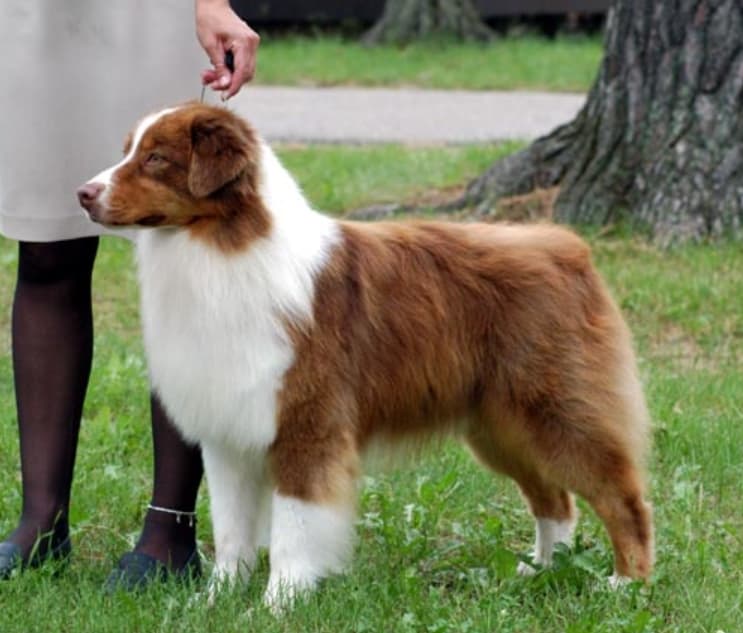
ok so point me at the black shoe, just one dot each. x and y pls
(11, 557)
(135, 571)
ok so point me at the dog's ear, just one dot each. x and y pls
(221, 148)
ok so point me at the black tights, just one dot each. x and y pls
(52, 350)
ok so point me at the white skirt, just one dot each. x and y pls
(77, 75)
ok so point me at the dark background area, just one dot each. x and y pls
(547, 16)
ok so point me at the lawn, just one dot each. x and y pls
(566, 63)
(438, 540)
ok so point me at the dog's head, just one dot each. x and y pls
(193, 166)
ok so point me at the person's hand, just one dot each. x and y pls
(219, 30)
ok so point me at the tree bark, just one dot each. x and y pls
(659, 138)
(404, 21)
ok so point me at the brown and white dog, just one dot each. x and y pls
(285, 342)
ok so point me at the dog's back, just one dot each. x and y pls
(430, 323)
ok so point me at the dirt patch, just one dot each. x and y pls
(532, 207)
(536, 205)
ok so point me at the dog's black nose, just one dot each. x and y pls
(89, 192)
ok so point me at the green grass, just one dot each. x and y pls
(438, 541)
(339, 178)
(566, 63)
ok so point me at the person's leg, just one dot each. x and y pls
(52, 351)
(52, 333)
(167, 543)
(171, 538)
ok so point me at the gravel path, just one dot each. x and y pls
(383, 115)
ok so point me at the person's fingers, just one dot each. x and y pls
(222, 76)
(208, 76)
(244, 69)
(211, 78)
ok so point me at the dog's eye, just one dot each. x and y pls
(153, 159)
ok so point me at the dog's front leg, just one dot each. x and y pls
(312, 509)
(237, 488)
(308, 541)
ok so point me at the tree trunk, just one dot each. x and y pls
(659, 138)
(404, 21)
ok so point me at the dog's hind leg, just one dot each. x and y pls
(237, 483)
(552, 506)
(617, 498)
(555, 518)
(594, 456)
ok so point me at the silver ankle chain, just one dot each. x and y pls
(178, 514)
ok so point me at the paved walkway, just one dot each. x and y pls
(379, 115)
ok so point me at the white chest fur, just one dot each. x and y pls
(213, 323)
(215, 345)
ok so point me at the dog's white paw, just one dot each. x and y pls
(525, 569)
(616, 581)
(280, 596)
(217, 581)
(282, 592)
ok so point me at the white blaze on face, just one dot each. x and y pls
(106, 176)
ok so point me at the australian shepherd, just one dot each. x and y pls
(286, 342)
